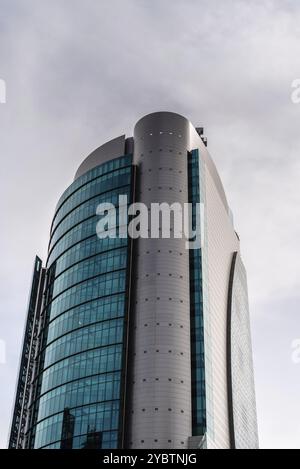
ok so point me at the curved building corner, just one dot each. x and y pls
(139, 343)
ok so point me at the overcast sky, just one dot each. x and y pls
(81, 72)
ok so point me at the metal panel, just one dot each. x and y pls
(112, 149)
(160, 410)
(241, 394)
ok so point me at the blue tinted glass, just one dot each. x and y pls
(197, 332)
(79, 387)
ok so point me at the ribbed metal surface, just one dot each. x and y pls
(244, 434)
(160, 411)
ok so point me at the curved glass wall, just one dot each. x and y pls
(79, 388)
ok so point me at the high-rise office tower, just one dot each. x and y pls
(139, 342)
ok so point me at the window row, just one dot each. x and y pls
(99, 310)
(97, 335)
(102, 184)
(197, 331)
(105, 440)
(86, 210)
(92, 289)
(83, 420)
(104, 168)
(86, 391)
(102, 360)
(97, 265)
(87, 248)
(77, 234)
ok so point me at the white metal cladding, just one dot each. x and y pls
(159, 383)
(106, 152)
(243, 395)
(160, 411)
(221, 243)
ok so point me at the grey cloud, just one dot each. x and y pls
(80, 73)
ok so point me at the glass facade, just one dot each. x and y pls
(196, 304)
(79, 388)
(183, 377)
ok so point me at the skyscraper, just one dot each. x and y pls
(139, 342)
